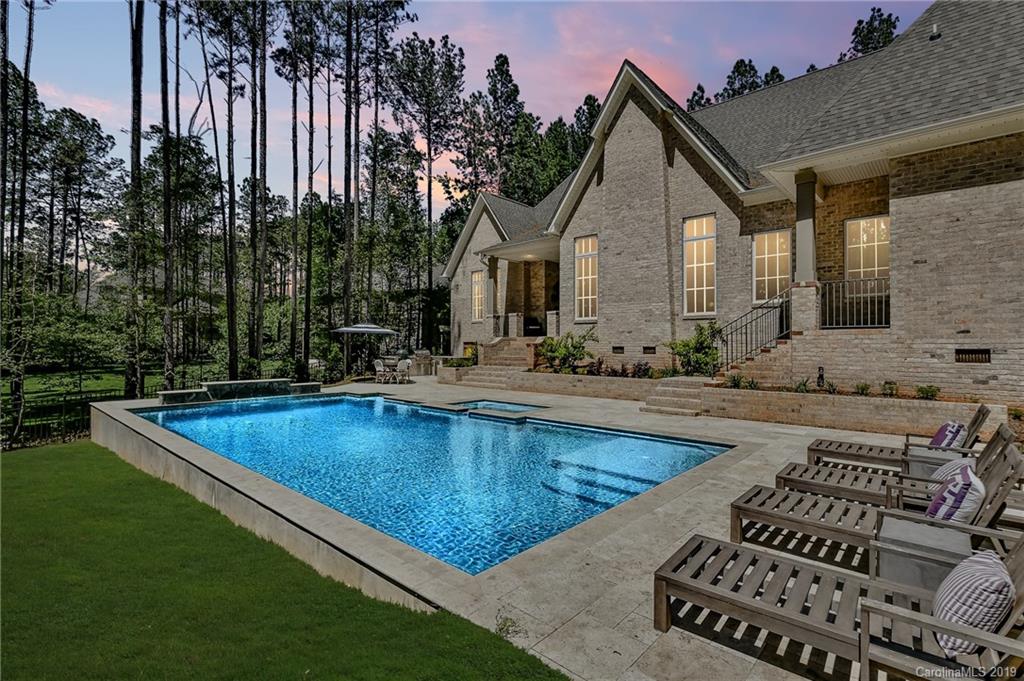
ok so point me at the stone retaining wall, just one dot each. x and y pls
(850, 412)
(612, 387)
(451, 375)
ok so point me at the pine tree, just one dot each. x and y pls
(871, 34)
(698, 99)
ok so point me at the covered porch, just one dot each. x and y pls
(522, 287)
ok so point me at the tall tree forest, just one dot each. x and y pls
(173, 261)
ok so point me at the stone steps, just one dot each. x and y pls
(685, 403)
(483, 384)
(669, 411)
(677, 396)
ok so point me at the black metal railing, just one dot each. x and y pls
(762, 327)
(854, 303)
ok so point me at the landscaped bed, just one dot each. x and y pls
(110, 573)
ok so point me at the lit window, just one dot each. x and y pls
(586, 277)
(771, 264)
(699, 265)
(867, 248)
(477, 294)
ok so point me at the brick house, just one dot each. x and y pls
(872, 213)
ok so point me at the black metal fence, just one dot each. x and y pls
(744, 336)
(855, 303)
(51, 418)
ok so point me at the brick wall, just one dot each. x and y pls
(464, 329)
(859, 199)
(992, 161)
(871, 414)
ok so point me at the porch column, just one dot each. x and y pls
(804, 291)
(497, 320)
(806, 182)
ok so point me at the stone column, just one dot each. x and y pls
(515, 324)
(804, 307)
(552, 323)
(806, 184)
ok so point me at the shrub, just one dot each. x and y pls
(890, 388)
(1016, 413)
(667, 373)
(596, 368)
(642, 370)
(459, 362)
(751, 384)
(862, 388)
(565, 352)
(831, 388)
(927, 392)
(697, 354)
(803, 386)
(734, 381)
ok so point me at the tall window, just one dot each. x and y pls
(867, 248)
(772, 258)
(699, 265)
(477, 294)
(586, 277)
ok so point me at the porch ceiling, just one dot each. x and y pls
(540, 248)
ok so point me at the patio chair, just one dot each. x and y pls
(380, 372)
(402, 370)
(827, 452)
(840, 531)
(881, 625)
(869, 484)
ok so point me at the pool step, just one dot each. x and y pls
(579, 497)
(633, 479)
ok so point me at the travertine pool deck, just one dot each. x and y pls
(582, 600)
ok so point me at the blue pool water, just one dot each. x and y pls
(495, 405)
(469, 491)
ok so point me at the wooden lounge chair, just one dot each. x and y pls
(869, 484)
(766, 514)
(824, 451)
(867, 620)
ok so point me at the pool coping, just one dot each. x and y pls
(344, 548)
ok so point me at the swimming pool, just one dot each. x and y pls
(471, 492)
(495, 405)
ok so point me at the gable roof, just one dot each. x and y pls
(516, 221)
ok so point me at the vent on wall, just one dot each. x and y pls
(618, 350)
(650, 350)
(976, 356)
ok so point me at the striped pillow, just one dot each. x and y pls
(951, 468)
(950, 434)
(977, 593)
(959, 498)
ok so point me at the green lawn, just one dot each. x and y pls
(110, 573)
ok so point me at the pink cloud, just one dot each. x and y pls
(101, 109)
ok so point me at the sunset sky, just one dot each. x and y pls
(559, 52)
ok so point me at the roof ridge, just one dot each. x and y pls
(505, 198)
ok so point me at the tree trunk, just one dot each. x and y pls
(293, 330)
(428, 308)
(4, 111)
(263, 182)
(350, 101)
(253, 183)
(62, 256)
(50, 230)
(168, 225)
(308, 302)
(230, 256)
(133, 379)
(329, 250)
(374, 150)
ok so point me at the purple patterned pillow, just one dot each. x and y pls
(950, 434)
(959, 498)
(978, 593)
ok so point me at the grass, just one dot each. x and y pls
(110, 573)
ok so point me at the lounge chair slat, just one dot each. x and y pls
(797, 595)
(902, 632)
(700, 559)
(753, 581)
(718, 564)
(736, 570)
(823, 598)
(778, 582)
(847, 609)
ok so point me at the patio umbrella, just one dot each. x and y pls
(364, 329)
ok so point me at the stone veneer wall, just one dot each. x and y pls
(464, 328)
(991, 161)
(843, 202)
(871, 414)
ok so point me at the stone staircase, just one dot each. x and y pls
(489, 376)
(678, 396)
(771, 366)
(509, 352)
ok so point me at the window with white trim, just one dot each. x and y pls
(772, 261)
(586, 277)
(476, 280)
(867, 248)
(699, 265)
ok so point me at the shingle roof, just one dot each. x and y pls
(758, 126)
(521, 222)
